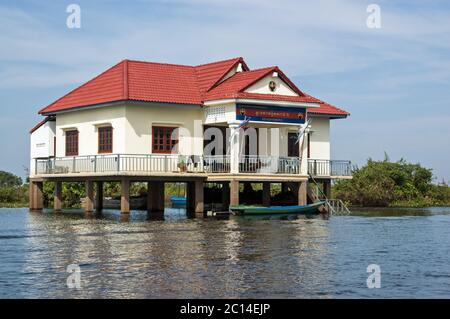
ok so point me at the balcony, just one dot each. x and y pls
(328, 168)
(221, 164)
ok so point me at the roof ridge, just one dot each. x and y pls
(220, 61)
(162, 63)
(82, 85)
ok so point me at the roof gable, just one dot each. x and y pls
(209, 75)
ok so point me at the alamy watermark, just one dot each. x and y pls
(374, 19)
(374, 279)
(74, 279)
(74, 19)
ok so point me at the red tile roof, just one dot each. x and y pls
(173, 83)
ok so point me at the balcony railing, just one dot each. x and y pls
(327, 168)
(269, 165)
(154, 163)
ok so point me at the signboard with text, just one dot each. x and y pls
(276, 114)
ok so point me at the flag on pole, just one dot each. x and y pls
(302, 130)
(244, 123)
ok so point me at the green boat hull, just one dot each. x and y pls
(277, 210)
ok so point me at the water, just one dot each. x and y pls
(237, 258)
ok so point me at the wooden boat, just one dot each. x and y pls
(178, 201)
(277, 210)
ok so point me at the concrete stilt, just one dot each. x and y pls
(155, 199)
(327, 188)
(302, 193)
(125, 197)
(99, 197)
(225, 195)
(190, 204)
(266, 194)
(57, 201)
(234, 192)
(89, 201)
(199, 199)
(36, 196)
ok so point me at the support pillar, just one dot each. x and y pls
(155, 197)
(99, 197)
(234, 193)
(266, 194)
(125, 197)
(190, 200)
(36, 196)
(31, 196)
(89, 201)
(199, 199)
(57, 201)
(302, 193)
(327, 188)
(225, 195)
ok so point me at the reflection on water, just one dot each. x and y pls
(134, 257)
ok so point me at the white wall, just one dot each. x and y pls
(42, 140)
(132, 130)
(141, 118)
(87, 123)
(42, 143)
(320, 138)
(262, 87)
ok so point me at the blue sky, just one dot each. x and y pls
(395, 80)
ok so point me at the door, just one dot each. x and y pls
(293, 147)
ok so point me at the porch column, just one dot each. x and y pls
(302, 193)
(57, 201)
(225, 195)
(155, 197)
(89, 201)
(99, 197)
(234, 146)
(234, 192)
(125, 197)
(303, 144)
(266, 194)
(327, 188)
(199, 200)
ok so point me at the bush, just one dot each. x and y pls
(385, 183)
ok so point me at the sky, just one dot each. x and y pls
(394, 80)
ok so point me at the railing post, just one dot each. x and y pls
(74, 164)
(95, 164)
(118, 162)
(35, 166)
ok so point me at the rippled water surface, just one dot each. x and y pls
(236, 258)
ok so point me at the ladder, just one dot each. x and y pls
(337, 207)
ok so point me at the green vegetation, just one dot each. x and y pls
(385, 183)
(13, 193)
(376, 184)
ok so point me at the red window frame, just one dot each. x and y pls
(162, 142)
(105, 139)
(72, 143)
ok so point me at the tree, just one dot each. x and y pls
(9, 180)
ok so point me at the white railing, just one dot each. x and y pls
(326, 168)
(109, 163)
(269, 164)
